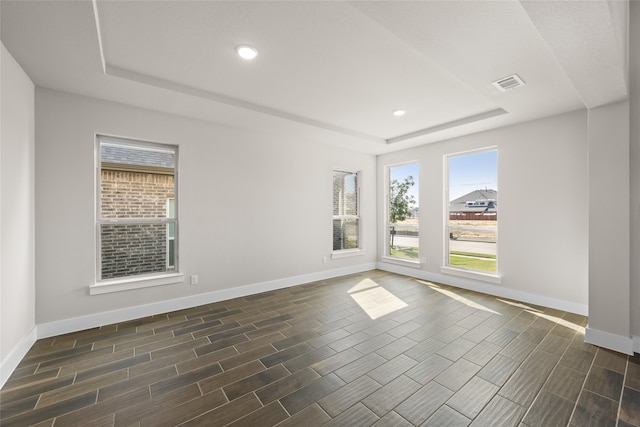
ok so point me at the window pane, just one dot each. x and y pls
(345, 210)
(171, 233)
(135, 182)
(171, 208)
(473, 248)
(345, 193)
(171, 262)
(473, 211)
(403, 208)
(133, 249)
(404, 240)
(345, 234)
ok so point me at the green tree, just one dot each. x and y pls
(400, 202)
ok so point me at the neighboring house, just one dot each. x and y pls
(136, 183)
(476, 205)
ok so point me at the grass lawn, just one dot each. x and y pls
(482, 264)
(470, 260)
(406, 253)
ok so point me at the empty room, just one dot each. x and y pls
(349, 213)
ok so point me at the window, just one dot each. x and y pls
(402, 212)
(137, 223)
(346, 210)
(472, 208)
(171, 234)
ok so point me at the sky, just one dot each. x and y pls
(467, 172)
(401, 172)
(472, 172)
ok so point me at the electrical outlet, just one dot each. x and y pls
(194, 279)
(324, 259)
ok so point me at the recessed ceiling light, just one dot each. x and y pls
(398, 113)
(246, 51)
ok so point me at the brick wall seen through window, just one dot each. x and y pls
(136, 225)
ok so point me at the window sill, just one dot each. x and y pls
(404, 262)
(126, 284)
(471, 274)
(346, 253)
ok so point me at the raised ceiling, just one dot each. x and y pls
(330, 71)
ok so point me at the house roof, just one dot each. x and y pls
(113, 153)
(467, 203)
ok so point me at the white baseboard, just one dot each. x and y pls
(12, 360)
(636, 344)
(488, 288)
(75, 324)
(608, 340)
(64, 326)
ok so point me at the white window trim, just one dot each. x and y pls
(345, 253)
(119, 284)
(472, 274)
(457, 271)
(402, 261)
(134, 282)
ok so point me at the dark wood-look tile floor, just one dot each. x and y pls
(369, 349)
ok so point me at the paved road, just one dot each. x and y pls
(454, 245)
(477, 247)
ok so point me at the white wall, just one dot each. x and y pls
(609, 234)
(17, 248)
(543, 220)
(634, 77)
(252, 208)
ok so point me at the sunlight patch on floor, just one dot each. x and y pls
(375, 300)
(559, 321)
(459, 298)
(519, 305)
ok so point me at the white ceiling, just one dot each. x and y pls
(330, 71)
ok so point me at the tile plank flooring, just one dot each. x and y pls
(374, 348)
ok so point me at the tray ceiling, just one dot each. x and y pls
(330, 71)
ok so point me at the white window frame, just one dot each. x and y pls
(343, 253)
(387, 257)
(446, 268)
(102, 286)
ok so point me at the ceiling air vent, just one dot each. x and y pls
(508, 83)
